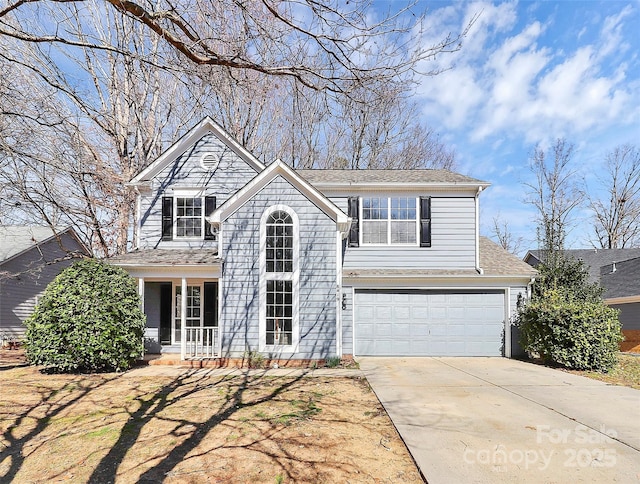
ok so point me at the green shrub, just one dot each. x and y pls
(89, 319)
(577, 333)
(333, 362)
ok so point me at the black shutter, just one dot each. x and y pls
(209, 208)
(165, 313)
(354, 233)
(210, 301)
(425, 221)
(167, 218)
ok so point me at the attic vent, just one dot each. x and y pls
(209, 162)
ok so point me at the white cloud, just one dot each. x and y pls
(510, 81)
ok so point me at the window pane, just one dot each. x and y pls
(374, 232)
(403, 232)
(188, 217)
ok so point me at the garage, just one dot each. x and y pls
(428, 323)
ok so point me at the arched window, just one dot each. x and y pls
(279, 243)
(279, 279)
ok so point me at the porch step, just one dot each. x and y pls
(173, 359)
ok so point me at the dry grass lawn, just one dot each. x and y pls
(195, 427)
(625, 373)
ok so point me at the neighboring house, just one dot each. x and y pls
(30, 258)
(618, 271)
(234, 257)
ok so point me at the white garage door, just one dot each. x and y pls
(428, 323)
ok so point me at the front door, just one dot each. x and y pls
(193, 310)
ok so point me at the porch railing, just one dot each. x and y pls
(202, 342)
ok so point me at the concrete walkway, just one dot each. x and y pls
(495, 420)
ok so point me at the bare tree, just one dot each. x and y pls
(323, 45)
(78, 133)
(555, 193)
(616, 215)
(501, 232)
(88, 105)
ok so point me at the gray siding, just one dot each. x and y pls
(347, 322)
(453, 239)
(240, 280)
(27, 276)
(629, 315)
(186, 172)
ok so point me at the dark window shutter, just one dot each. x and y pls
(209, 208)
(210, 301)
(167, 218)
(354, 233)
(425, 221)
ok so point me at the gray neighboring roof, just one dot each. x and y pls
(494, 261)
(166, 257)
(624, 281)
(15, 239)
(376, 177)
(594, 259)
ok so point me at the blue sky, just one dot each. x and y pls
(530, 72)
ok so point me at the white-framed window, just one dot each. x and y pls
(389, 221)
(184, 215)
(279, 279)
(189, 220)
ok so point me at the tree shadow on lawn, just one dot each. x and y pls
(196, 381)
(51, 403)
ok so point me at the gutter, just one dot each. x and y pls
(478, 268)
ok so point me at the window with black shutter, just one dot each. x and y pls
(425, 221)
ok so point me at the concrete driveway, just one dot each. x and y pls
(499, 420)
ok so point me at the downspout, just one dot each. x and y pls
(138, 220)
(477, 202)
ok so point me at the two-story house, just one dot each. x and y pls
(233, 256)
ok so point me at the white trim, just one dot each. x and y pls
(623, 300)
(435, 186)
(140, 292)
(188, 193)
(191, 137)
(242, 196)
(338, 294)
(289, 276)
(477, 231)
(220, 321)
(507, 322)
(353, 321)
(183, 319)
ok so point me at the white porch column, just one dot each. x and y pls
(141, 294)
(183, 320)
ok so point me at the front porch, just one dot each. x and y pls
(179, 292)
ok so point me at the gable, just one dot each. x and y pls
(186, 145)
(279, 169)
